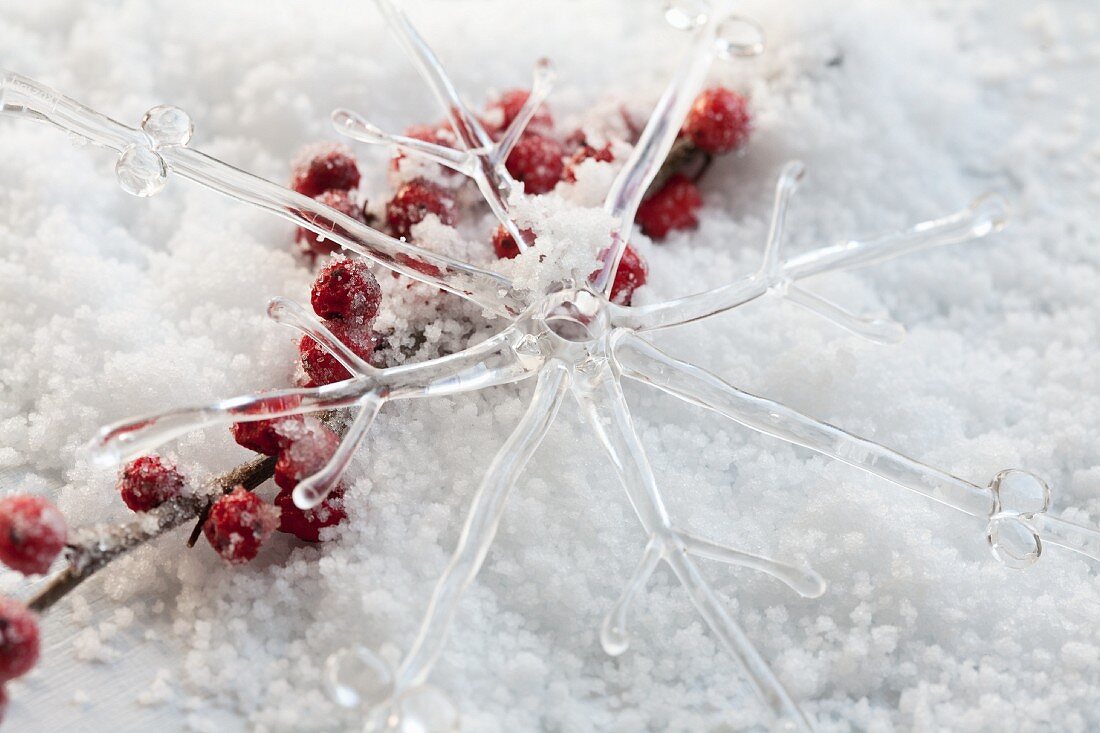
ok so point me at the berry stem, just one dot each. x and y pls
(93, 548)
(684, 157)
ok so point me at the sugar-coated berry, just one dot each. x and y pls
(267, 436)
(718, 121)
(324, 167)
(583, 153)
(504, 244)
(674, 206)
(413, 202)
(346, 289)
(147, 482)
(502, 113)
(19, 645)
(439, 134)
(314, 244)
(630, 276)
(321, 367)
(308, 452)
(32, 533)
(307, 524)
(537, 162)
(238, 525)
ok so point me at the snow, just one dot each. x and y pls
(113, 306)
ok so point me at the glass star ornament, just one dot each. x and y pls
(571, 340)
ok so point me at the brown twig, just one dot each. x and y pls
(683, 157)
(92, 548)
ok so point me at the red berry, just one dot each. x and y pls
(503, 112)
(314, 244)
(719, 121)
(321, 367)
(674, 206)
(504, 244)
(346, 289)
(309, 450)
(148, 482)
(266, 436)
(630, 276)
(307, 525)
(3, 702)
(18, 640)
(439, 134)
(583, 153)
(324, 167)
(238, 524)
(32, 533)
(537, 163)
(413, 202)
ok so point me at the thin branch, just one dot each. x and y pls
(93, 548)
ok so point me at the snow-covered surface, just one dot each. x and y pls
(113, 306)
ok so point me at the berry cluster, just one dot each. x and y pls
(718, 123)
(32, 535)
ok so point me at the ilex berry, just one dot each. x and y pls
(311, 448)
(307, 524)
(32, 533)
(148, 482)
(438, 134)
(320, 367)
(19, 646)
(583, 153)
(267, 436)
(311, 242)
(674, 206)
(345, 290)
(504, 244)
(502, 113)
(537, 162)
(238, 524)
(324, 167)
(630, 276)
(414, 202)
(719, 121)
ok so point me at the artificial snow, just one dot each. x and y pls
(113, 306)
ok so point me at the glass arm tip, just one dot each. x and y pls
(353, 125)
(989, 214)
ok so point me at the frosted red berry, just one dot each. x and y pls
(19, 644)
(630, 276)
(718, 121)
(438, 134)
(307, 524)
(315, 244)
(346, 289)
(306, 454)
(267, 436)
(238, 525)
(674, 206)
(32, 533)
(324, 167)
(413, 202)
(502, 113)
(148, 482)
(320, 367)
(583, 153)
(537, 162)
(504, 244)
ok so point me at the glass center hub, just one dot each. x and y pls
(577, 315)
